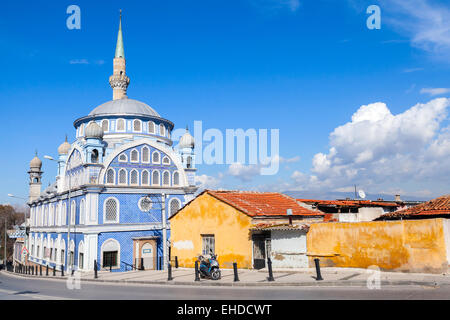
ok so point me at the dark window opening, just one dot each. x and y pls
(109, 259)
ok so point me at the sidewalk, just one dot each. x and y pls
(299, 277)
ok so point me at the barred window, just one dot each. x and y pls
(134, 177)
(137, 125)
(151, 127)
(82, 211)
(110, 176)
(174, 206)
(63, 256)
(208, 243)
(105, 125)
(134, 156)
(166, 160)
(145, 154)
(111, 208)
(166, 178)
(120, 125)
(155, 157)
(162, 130)
(123, 158)
(155, 177)
(122, 176)
(145, 178)
(176, 179)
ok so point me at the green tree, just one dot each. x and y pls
(12, 218)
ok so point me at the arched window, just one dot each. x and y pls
(82, 129)
(145, 155)
(176, 178)
(134, 177)
(123, 158)
(134, 156)
(73, 212)
(110, 254)
(174, 206)
(122, 176)
(51, 216)
(189, 162)
(145, 178)
(64, 214)
(82, 211)
(120, 125)
(111, 210)
(81, 255)
(137, 125)
(105, 125)
(162, 130)
(155, 178)
(46, 216)
(110, 176)
(166, 160)
(155, 157)
(94, 156)
(166, 178)
(151, 127)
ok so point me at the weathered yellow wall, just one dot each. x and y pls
(408, 245)
(207, 215)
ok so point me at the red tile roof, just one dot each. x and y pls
(263, 203)
(350, 203)
(438, 206)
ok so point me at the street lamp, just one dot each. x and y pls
(25, 239)
(68, 222)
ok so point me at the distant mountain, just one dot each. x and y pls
(343, 195)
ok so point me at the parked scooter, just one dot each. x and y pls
(209, 267)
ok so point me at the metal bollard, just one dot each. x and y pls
(236, 276)
(169, 270)
(269, 266)
(161, 263)
(197, 276)
(176, 262)
(110, 267)
(142, 263)
(95, 269)
(54, 270)
(40, 270)
(46, 272)
(62, 270)
(319, 276)
(32, 270)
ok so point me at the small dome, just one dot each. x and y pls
(64, 148)
(93, 131)
(186, 141)
(36, 162)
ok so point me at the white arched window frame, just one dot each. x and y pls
(156, 157)
(73, 212)
(105, 125)
(134, 156)
(120, 125)
(134, 177)
(45, 215)
(64, 214)
(145, 157)
(110, 245)
(176, 178)
(123, 157)
(155, 178)
(174, 206)
(162, 130)
(110, 176)
(122, 180)
(137, 125)
(82, 129)
(166, 178)
(166, 160)
(81, 255)
(82, 211)
(51, 249)
(111, 210)
(145, 178)
(62, 251)
(151, 127)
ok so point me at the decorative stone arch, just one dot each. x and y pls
(110, 245)
(146, 141)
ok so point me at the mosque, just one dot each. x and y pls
(116, 186)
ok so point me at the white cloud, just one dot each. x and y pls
(207, 182)
(79, 61)
(435, 91)
(243, 172)
(277, 5)
(379, 150)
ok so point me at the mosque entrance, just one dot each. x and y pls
(144, 253)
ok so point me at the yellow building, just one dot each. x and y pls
(229, 223)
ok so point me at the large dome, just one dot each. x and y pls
(124, 106)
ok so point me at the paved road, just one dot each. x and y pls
(23, 288)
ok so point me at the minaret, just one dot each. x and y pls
(35, 178)
(119, 81)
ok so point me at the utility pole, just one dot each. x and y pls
(4, 254)
(163, 212)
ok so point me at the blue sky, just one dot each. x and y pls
(304, 67)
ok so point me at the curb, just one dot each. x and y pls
(323, 283)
